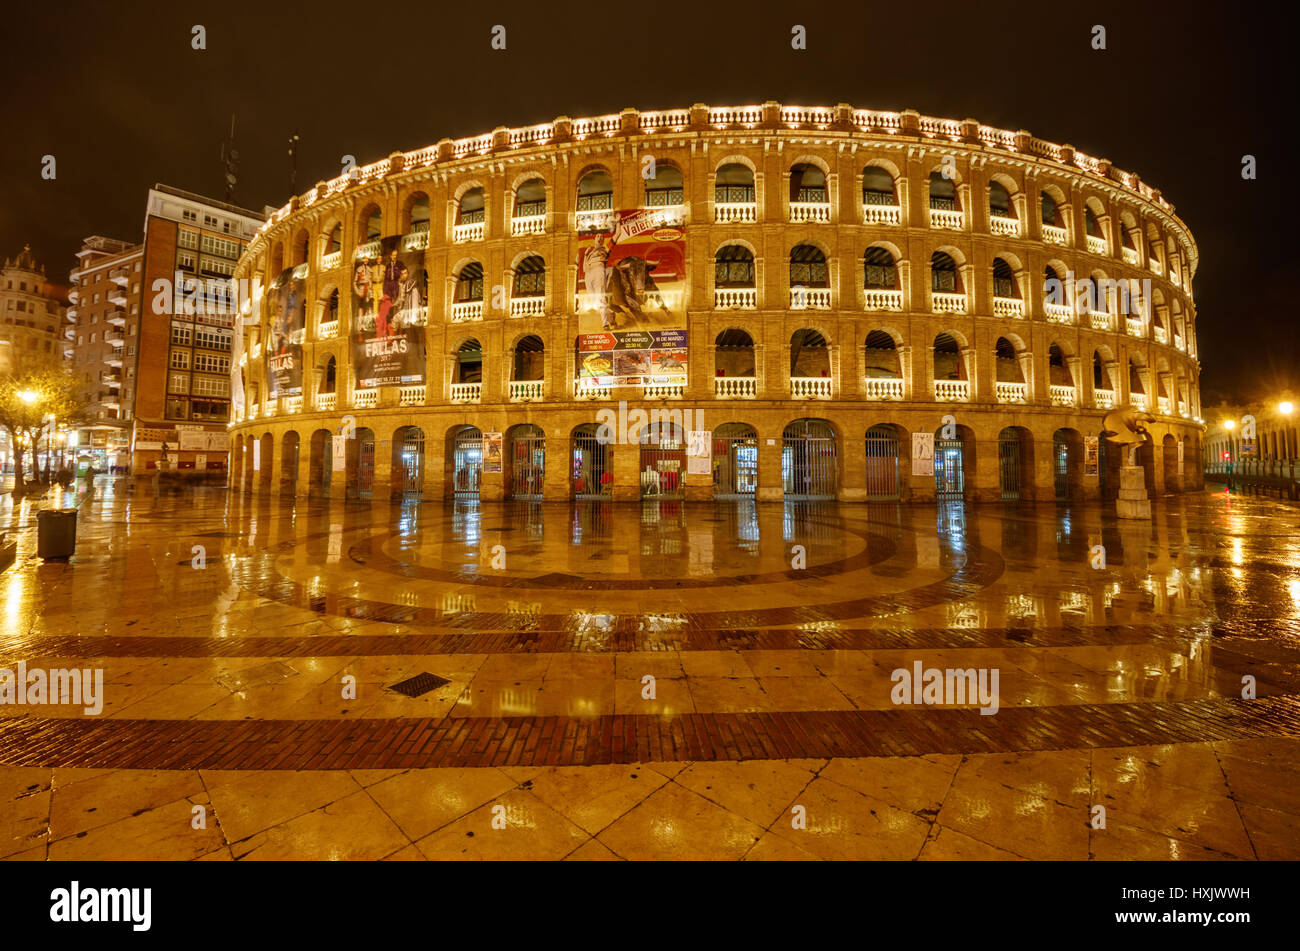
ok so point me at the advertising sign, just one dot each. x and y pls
(491, 452)
(923, 454)
(389, 310)
(1091, 449)
(699, 452)
(631, 301)
(339, 454)
(287, 315)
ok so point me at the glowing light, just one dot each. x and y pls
(1229, 424)
(1285, 407)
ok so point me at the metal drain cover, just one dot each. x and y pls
(419, 684)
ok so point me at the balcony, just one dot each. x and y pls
(586, 390)
(1103, 399)
(1163, 403)
(810, 298)
(663, 391)
(1011, 392)
(325, 401)
(368, 250)
(466, 310)
(1156, 267)
(117, 297)
(882, 215)
(329, 262)
(527, 306)
(410, 396)
(117, 318)
(949, 220)
(810, 211)
(1009, 227)
(119, 277)
(1061, 395)
(952, 391)
(735, 298)
(735, 387)
(1008, 307)
(882, 389)
(471, 231)
(875, 298)
(735, 212)
(595, 219)
(1139, 401)
(1135, 327)
(114, 360)
(1100, 320)
(525, 391)
(527, 224)
(466, 392)
(1054, 235)
(1130, 256)
(416, 240)
(1182, 409)
(1058, 313)
(365, 399)
(945, 303)
(1097, 245)
(326, 330)
(293, 404)
(810, 387)
(1180, 343)
(1161, 334)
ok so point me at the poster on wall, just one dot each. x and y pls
(491, 452)
(338, 453)
(1091, 450)
(287, 317)
(632, 301)
(389, 310)
(699, 452)
(923, 454)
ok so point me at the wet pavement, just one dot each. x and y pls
(664, 680)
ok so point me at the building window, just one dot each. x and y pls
(178, 382)
(211, 340)
(189, 215)
(180, 336)
(211, 363)
(180, 360)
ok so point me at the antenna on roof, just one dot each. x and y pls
(293, 159)
(230, 158)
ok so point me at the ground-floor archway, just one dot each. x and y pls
(1015, 464)
(954, 463)
(361, 464)
(526, 457)
(662, 461)
(591, 463)
(808, 460)
(1169, 460)
(320, 463)
(883, 480)
(735, 461)
(408, 462)
(289, 447)
(1067, 465)
(464, 461)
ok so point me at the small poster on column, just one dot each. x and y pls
(699, 454)
(491, 452)
(1091, 450)
(338, 453)
(923, 454)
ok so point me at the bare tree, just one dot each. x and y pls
(39, 394)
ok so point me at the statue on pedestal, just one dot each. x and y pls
(1128, 427)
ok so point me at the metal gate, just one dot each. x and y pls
(949, 470)
(1108, 459)
(411, 457)
(882, 464)
(735, 466)
(527, 466)
(662, 467)
(592, 471)
(467, 464)
(808, 460)
(1009, 466)
(1061, 468)
(365, 463)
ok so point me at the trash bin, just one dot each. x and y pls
(56, 533)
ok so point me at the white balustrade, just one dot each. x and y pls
(1054, 235)
(1009, 227)
(527, 224)
(740, 212)
(586, 390)
(1130, 256)
(951, 220)
(597, 220)
(945, 303)
(466, 310)
(468, 232)
(810, 387)
(810, 298)
(1100, 320)
(330, 261)
(882, 214)
(416, 240)
(1058, 313)
(1161, 334)
(368, 250)
(326, 401)
(735, 387)
(1103, 399)
(877, 388)
(1136, 327)
(1139, 401)
(952, 391)
(875, 298)
(329, 328)
(466, 392)
(521, 391)
(365, 399)
(1011, 392)
(1061, 395)
(1163, 403)
(411, 396)
(527, 306)
(1008, 307)
(660, 391)
(293, 404)
(1097, 245)
(742, 298)
(805, 211)
(1156, 269)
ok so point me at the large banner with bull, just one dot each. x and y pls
(287, 316)
(631, 301)
(389, 309)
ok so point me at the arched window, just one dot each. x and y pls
(1006, 364)
(1000, 201)
(733, 266)
(733, 354)
(469, 362)
(470, 211)
(530, 199)
(329, 379)
(335, 241)
(943, 193)
(808, 267)
(530, 278)
(734, 185)
(943, 274)
(332, 307)
(374, 224)
(1004, 280)
(664, 190)
(878, 187)
(809, 355)
(529, 362)
(596, 191)
(880, 357)
(1051, 214)
(469, 283)
(948, 363)
(879, 270)
(1058, 371)
(420, 214)
(1090, 222)
(808, 185)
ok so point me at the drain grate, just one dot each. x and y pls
(419, 684)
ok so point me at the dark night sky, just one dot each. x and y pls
(115, 92)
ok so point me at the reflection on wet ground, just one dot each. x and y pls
(657, 680)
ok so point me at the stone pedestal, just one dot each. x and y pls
(1132, 501)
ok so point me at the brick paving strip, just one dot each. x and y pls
(573, 741)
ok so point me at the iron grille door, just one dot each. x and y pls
(366, 467)
(808, 467)
(467, 465)
(1009, 467)
(592, 472)
(528, 465)
(412, 458)
(882, 465)
(735, 460)
(949, 470)
(1061, 469)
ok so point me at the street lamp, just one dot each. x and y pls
(27, 396)
(1229, 424)
(1285, 407)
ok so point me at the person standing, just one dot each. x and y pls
(594, 270)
